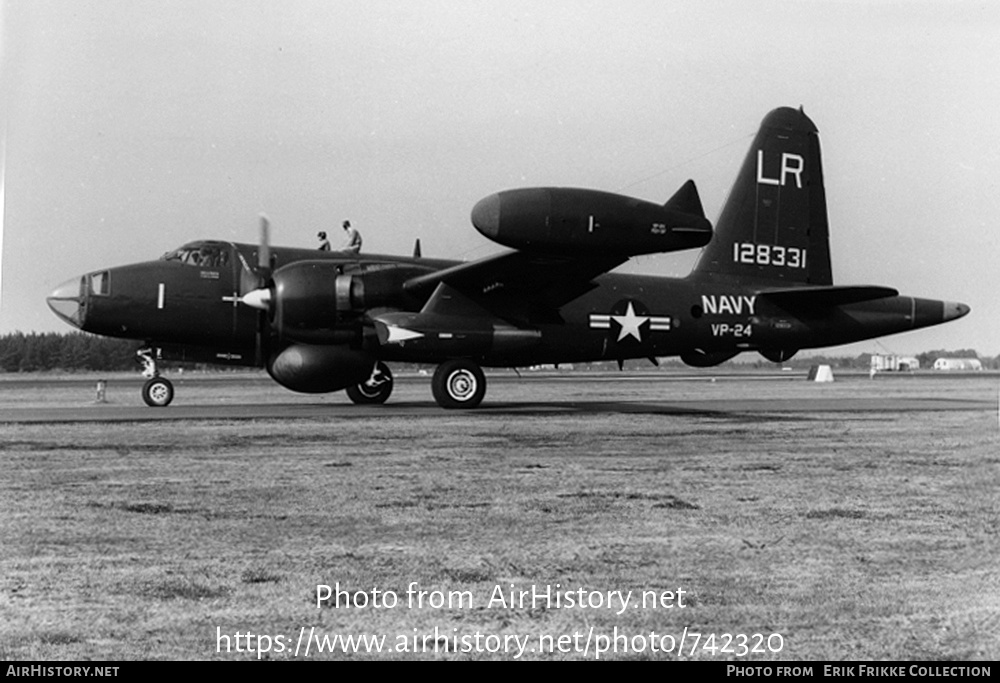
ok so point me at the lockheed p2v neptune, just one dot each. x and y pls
(327, 321)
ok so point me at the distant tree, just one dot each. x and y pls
(28, 361)
(70, 351)
(9, 355)
(35, 352)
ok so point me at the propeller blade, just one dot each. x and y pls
(259, 294)
(264, 253)
(248, 279)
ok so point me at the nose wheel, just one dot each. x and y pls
(157, 392)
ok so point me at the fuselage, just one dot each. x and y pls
(192, 298)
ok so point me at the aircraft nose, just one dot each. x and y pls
(953, 310)
(486, 216)
(67, 301)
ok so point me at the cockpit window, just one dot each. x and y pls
(202, 256)
(100, 283)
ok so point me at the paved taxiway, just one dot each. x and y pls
(256, 398)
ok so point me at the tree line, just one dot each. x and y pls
(38, 352)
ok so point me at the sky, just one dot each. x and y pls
(134, 126)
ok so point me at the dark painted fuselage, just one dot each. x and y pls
(177, 301)
(173, 303)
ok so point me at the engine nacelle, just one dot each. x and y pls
(316, 302)
(701, 359)
(577, 221)
(313, 369)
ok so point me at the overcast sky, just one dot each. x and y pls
(133, 126)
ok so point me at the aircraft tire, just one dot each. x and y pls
(458, 384)
(375, 390)
(158, 392)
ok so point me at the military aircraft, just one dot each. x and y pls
(326, 321)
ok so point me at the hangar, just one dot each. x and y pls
(961, 364)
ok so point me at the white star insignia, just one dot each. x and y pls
(630, 323)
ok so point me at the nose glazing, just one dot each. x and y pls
(67, 300)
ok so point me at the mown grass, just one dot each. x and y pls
(855, 536)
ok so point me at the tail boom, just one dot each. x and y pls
(832, 325)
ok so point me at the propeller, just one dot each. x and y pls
(254, 279)
(254, 289)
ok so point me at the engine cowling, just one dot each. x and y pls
(580, 221)
(316, 302)
(313, 369)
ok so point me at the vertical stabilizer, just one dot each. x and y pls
(773, 228)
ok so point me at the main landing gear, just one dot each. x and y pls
(375, 389)
(458, 383)
(157, 392)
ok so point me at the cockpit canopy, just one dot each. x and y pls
(201, 254)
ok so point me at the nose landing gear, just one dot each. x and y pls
(157, 392)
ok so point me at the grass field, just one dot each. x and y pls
(858, 535)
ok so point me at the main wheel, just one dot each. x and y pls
(158, 392)
(458, 383)
(376, 389)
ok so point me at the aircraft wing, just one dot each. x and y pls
(798, 298)
(518, 286)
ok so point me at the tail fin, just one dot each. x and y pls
(773, 228)
(686, 200)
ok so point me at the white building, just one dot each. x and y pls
(894, 363)
(958, 364)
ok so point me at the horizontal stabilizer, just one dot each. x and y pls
(825, 297)
(686, 200)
